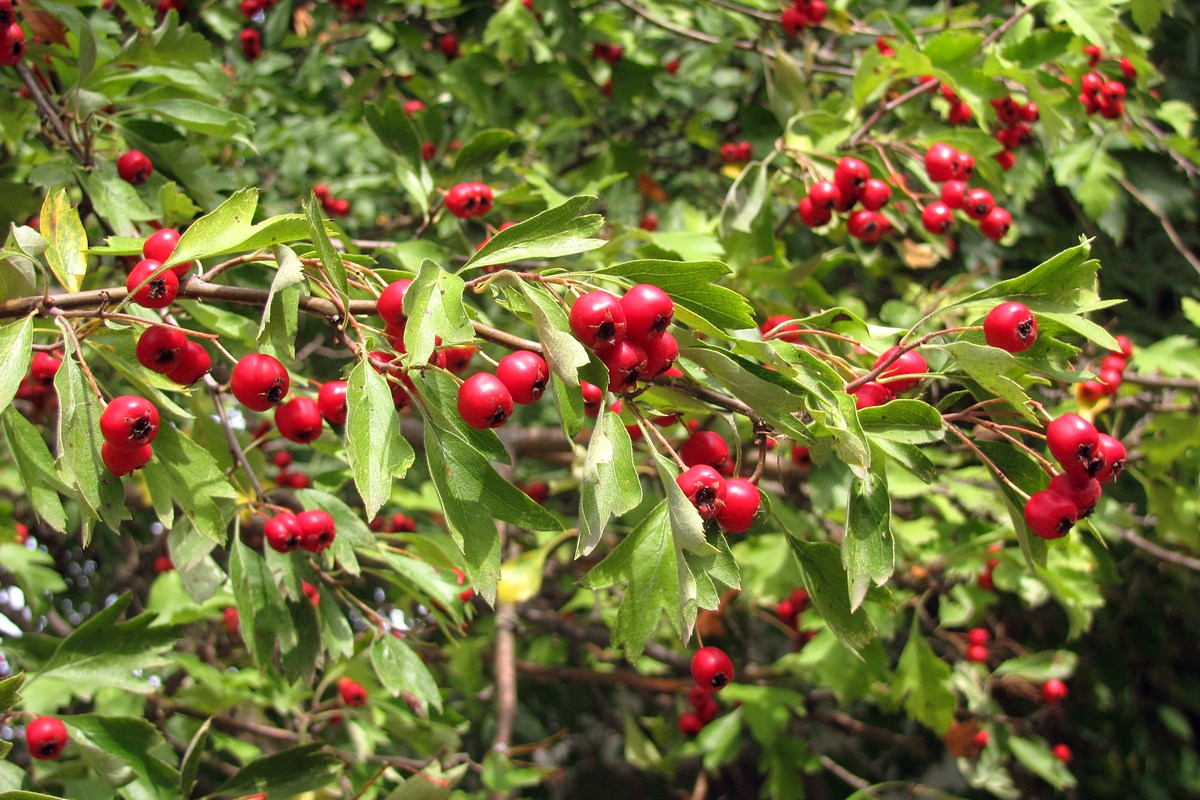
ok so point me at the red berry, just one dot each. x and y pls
(352, 693)
(648, 312)
(283, 533)
(1029, 112)
(466, 200)
(939, 162)
(593, 397)
(598, 320)
(332, 401)
(317, 530)
(1115, 363)
(672, 66)
(231, 621)
(705, 447)
(885, 49)
(851, 176)
(712, 668)
(867, 226)
(1010, 326)
(801, 457)
(705, 488)
(43, 367)
(871, 394)
(260, 381)
(1094, 54)
(134, 167)
(825, 195)
(525, 374)
(250, 7)
(742, 502)
(157, 292)
(1083, 492)
(816, 11)
(1126, 347)
(251, 41)
(909, 363)
(448, 44)
(123, 462)
(1112, 453)
(978, 636)
(1062, 753)
(12, 44)
(1075, 444)
(690, 723)
(160, 245)
(875, 194)
(1111, 379)
(978, 203)
(390, 305)
(811, 215)
(484, 401)
(627, 364)
(937, 218)
(996, 224)
(413, 107)
(282, 459)
(299, 419)
(1091, 83)
(954, 193)
(1127, 69)
(1050, 515)
(7, 15)
(163, 564)
(1113, 91)
(46, 738)
(311, 592)
(648, 222)
(960, 113)
(160, 348)
(194, 364)
(976, 653)
(661, 353)
(793, 20)
(1053, 691)
(1091, 391)
(129, 422)
(961, 166)
(339, 207)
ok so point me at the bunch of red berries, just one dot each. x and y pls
(129, 424)
(803, 14)
(977, 649)
(37, 387)
(1014, 132)
(466, 200)
(1098, 95)
(336, 206)
(959, 113)
(607, 51)
(1110, 375)
(712, 671)
(852, 184)
(628, 333)
(395, 523)
(902, 374)
(953, 169)
(12, 36)
(285, 478)
(737, 152)
(732, 502)
(1088, 458)
(312, 531)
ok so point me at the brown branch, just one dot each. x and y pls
(1004, 26)
(621, 677)
(884, 108)
(226, 724)
(48, 112)
(1167, 226)
(505, 659)
(1162, 383)
(1138, 541)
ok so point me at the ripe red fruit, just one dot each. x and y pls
(825, 195)
(1091, 83)
(649, 223)
(390, 305)
(1126, 347)
(1075, 444)
(811, 215)
(593, 397)
(194, 364)
(867, 226)
(790, 332)
(123, 462)
(1115, 363)
(598, 320)
(46, 738)
(456, 359)
(1113, 91)
(875, 194)
(160, 245)
(851, 176)
(672, 66)
(742, 502)
(712, 668)
(627, 364)
(259, 381)
(157, 292)
(448, 44)
(159, 348)
(978, 636)
(885, 49)
(1053, 691)
(231, 621)
(961, 166)
(251, 41)
(1083, 492)
(705, 488)
(43, 367)
(250, 7)
(339, 207)
(816, 11)
(163, 564)
(7, 14)
(978, 203)
(1050, 515)
(976, 653)
(909, 363)
(129, 422)
(1062, 752)
(1005, 159)
(299, 419)
(939, 162)
(317, 530)
(525, 374)
(1127, 69)
(465, 200)
(1112, 453)
(1111, 379)
(954, 193)
(801, 457)
(661, 353)
(705, 447)
(1091, 391)
(12, 44)
(282, 459)
(484, 401)
(871, 394)
(413, 107)
(996, 224)
(352, 693)
(937, 218)
(648, 312)
(134, 167)
(690, 723)
(1010, 326)
(332, 401)
(960, 113)
(311, 592)
(282, 532)
(1094, 54)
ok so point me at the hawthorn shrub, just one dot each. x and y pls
(649, 398)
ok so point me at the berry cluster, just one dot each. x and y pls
(1014, 131)
(1110, 375)
(37, 388)
(466, 200)
(395, 523)
(12, 36)
(898, 377)
(1106, 97)
(312, 531)
(129, 424)
(291, 480)
(135, 167)
(803, 14)
(852, 184)
(1088, 458)
(336, 206)
(712, 671)
(737, 152)
(732, 502)
(629, 334)
(607, 51)
(977, 649)
(959, 113)
(486, 400)
(952, 169)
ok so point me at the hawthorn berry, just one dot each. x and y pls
(1054, 691)
(339, 207)
(937, 218)
(456, 359)
(525, 374)
(43, 367)
(939, 162)
(1075, 444)
(7, 14)
(484, 401)
(163, 564)
(705, 447)
(123, 462)
(875, 194)
(282, 532)
(1115, 363)
(672, 66)
(801, 457)
(352, 693)
(1062, 752)
(159, 348)
(648, 312)
(134, 167)
(448, 44)
(1091, 391)
(413, 107)
(1126, 347)
(661, 353)
(129, 422)
(1111, 379)
(816, 11)
(311, 592)
(851, 176)
(1010, 326)
(627, 364)
(907, 364)
(811, 215)
(1005, 159)
(1094, 54)
(1112, 453)
(251, 41)
(598, 320)
(961, 166)
(390, 305)
(12, 44)
(260, 381)
(742, 502)
(158, 291)
(46, 737)
(705, 488)
(331, 398)
(194, 364)
(976, 653)
(593, 398)
(867, 226)
(466, 200)
(1083, 492)
(648, 222)
(231, 621)
(978, 203)
(160, 245)
(690, 723)
(793, 21)
(282, 459)
(712, 668)
(978, 636)
(317, 530)
(825, 195)
(1050, 515)
(996, 224)
(870, 394)
(954, 193)
(299, 419)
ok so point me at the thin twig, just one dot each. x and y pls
(48, 111)
(239, 456)
(1137, 540)
(1167, 226)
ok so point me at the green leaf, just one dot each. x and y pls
(560, 231)
(1147, 13)
(698, 300)
(190, 768)
(203, 117)
(1092, 20)
(288, 773)
(483, 149)
(197, 482)
(331, 262)
(129, 739)
(744, 203)
(282, 311)
(1068, 278)
(374, 447)
(907, 421)
(402, 670)
(988, 366)
(1039, 667)
(260, 606)
(608, 483)
(395, 130)
(434, 307)
(16, 341)
(868, 549)
(828, 586)
(227, 229)
(909, 457)
(922, 680)
(66, 240)
(1038, 759)
(564, 355)
(10, 691)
